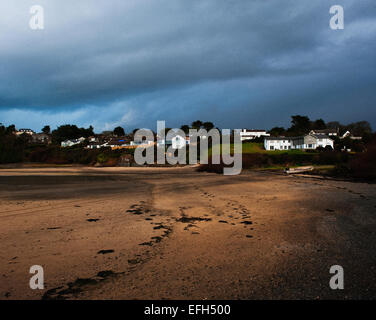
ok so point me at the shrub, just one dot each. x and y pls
(363, 166)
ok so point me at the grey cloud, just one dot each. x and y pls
(116, 55)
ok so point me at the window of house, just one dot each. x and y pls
(271, 147)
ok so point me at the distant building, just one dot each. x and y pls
(107, 133)
(72, 142)
(348, 134)
(27, 131)
(177, 142)
(41, 138)
(325, 132)
(246, 134)
(117, 143)
(94, 145)
(120, 143)
(277, 143)
(142, 143)
(306, 142)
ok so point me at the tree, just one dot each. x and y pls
(11, 129)
(46, 129)
(185, 128)
(208, 125)
(277, 131)
(336, 126)
(197, 124)
(2, 129)
(11, 146)
(119, 131)
(359, 128)
(333, 125)
(68, 131)
(319, 124)
(299, 125)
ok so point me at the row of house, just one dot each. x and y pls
(114, 142)
(251, 134)
(35, 137)
(305, 142)
(72, 142)
(311, 141)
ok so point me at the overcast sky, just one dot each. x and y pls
(239, 64)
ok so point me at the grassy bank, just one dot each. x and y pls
(357, 166)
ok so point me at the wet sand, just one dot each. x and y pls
(173, 233)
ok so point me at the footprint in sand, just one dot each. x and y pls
(105, 251)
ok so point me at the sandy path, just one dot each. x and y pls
(178, 234)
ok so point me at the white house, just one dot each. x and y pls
(176, 142)
(72, 142)
(94, 145)
(277, 143)
(348, 134)
(325, 132)
(246, 134)
(142, 143)
(324, 141)
(41, 138)
(306, 142)
(116, 143)
(27, 131)
(311, 141)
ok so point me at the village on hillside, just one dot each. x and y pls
(314, 136)
(331, 148)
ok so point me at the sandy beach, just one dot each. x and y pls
(174, 233)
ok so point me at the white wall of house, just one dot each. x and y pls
(327, 132)
(94, 146)
(308, 142)
(277, 144)
(144, 142)
(176, 142)
(27, 131)
(324, 141)
(69, 143)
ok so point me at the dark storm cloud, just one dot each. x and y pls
(238, 63)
